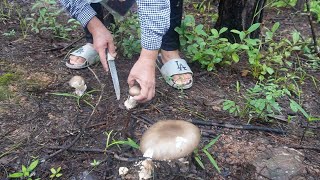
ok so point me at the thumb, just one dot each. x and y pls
(131, 80)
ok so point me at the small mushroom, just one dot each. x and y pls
(78, 83)
(130, 102)
(170, 139)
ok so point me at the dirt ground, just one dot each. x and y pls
(34, 123)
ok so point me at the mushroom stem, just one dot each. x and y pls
(130, 103)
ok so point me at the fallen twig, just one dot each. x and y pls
(97, 150)
(72, 43)
(83, 128)
(232, 126)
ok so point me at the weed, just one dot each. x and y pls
(95, 163)
(208, 155)
(127, 35)
(6, 10)
(26, 172)
(129, 142)
(296, 107)
(55, 173)
(10, 33)
(78, 98)
(45, 18)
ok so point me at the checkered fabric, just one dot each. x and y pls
(154, 17)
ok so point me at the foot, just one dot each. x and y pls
(77, 60)
(180, 79)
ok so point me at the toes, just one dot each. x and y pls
(76, 60)
(182, 79)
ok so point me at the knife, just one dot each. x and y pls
(114, 75)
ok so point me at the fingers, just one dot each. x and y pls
(112, 49)
(103, 59)
(131, 80)
(146, 93)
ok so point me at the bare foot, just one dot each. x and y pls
(181, 79)
(76, 59)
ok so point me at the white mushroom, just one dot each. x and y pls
(130, 102)
(170, 139)
(78, 83)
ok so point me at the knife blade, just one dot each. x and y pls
(114, 74)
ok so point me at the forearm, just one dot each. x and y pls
(154, 16)
(79, 10)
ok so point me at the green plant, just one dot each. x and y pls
(259, 101)
(296, 107)
(127, 35)
(6, 9)
(23, 24)
(45, 18)
(10, 33)
(128, 142)
(95, 163)
(206, 47)
(26, 172)
(208, 155)
(55, 173)
(78, 98)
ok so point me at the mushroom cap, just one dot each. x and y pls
(76, 82)
(134, 90)
(170, 139)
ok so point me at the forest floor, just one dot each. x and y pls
(34, 123)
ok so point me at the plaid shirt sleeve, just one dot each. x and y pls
(79, 10)
(154, 16)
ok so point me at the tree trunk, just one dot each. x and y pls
(300, 5)
(239, 15)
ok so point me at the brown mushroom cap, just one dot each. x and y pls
(134, 90)
(76, 82)
(170, 139)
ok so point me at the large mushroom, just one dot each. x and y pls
(170, 139)
(167, 140)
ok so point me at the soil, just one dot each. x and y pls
(34, 123)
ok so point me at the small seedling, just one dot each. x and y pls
(78, 98)
(26, 172)
(129, 142)
(95, 163)
(209, 156)
(10, 33)
(55, 173)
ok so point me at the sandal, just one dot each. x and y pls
(88, 53)
(174, 67)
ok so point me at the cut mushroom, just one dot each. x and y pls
(170, 139)
(130, 102)
(78, 83)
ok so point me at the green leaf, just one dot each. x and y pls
(253, 27)
(199, 30)
(242, 35)
(52, 175)
(199, 162)
(295, 37)
(53, 171)
(215, 33)
(211, 143)
(275, 26)
(24, 169)
(59, 174)
(59, 169)
(235, 57)
(33, 165)
(222, 30)
(64, 94)
(235, 31)
(16, 175)
(213, 162)
(270, 70)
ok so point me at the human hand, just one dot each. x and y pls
(102, 40)
(143, 72)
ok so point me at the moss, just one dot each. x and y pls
(5, 93)
(5, 79)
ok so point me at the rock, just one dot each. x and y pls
(279, 163)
